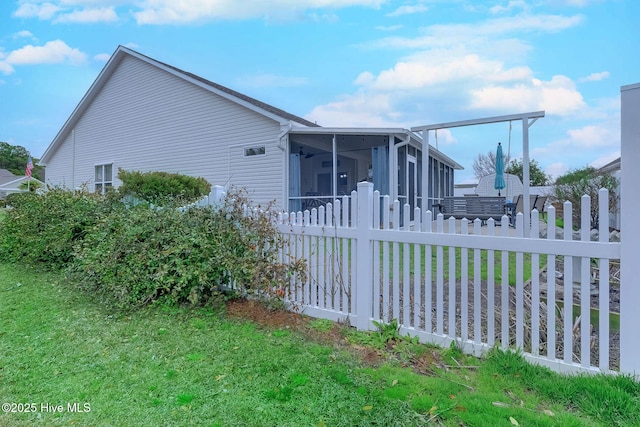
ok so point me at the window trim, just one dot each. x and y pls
(100, 186)
(255, 151)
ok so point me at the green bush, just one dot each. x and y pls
(14, 199)
(137, 256)
(586, 181)
(43, 228)
(163, 188)
(132, 256)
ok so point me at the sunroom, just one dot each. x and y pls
(327, 163)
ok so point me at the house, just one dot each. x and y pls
(10, 183)
(142, 114)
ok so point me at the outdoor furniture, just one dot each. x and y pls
(473, 207)
(539, 205)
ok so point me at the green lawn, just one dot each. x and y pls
(178, 366)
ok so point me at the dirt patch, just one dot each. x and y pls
(268, 318)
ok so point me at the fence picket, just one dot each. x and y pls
(603, 278)
(567, 308)
(464, 285)
(406, 291)
(452, 282)
(535, 287)
(477, 287)
(440, 279)
(585, 285)
(551, 286)
(491, 288)
(427, 226)
(417, 273)
(386, 289)
(395, 314)
(504, 285)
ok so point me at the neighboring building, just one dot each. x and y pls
(10, 183)
(142, 114)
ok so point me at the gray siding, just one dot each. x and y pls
(145, 118)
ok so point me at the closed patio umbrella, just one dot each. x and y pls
(499, 181)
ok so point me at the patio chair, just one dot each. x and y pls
(540, 205)
(519, 206)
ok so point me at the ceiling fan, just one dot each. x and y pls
(306, 156)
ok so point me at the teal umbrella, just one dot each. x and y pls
(499, 184)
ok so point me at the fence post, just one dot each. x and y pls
(630, 227)
(216, 194)
(363, 289)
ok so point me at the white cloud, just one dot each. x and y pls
(409, 10)
(360, 109)
(592, 136)
(514, 4)
(595, 77)
(556, 169)
(88, 16)
(102, 57)
(483, 34)
(36, 10)
(70, 11)
(5, 68)
(52, 52)
(556, 96)
(593, 144)
(23, 34)
(172, 12)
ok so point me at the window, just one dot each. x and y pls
(255, 151)
(104, 177)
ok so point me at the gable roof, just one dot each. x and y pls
(16, 181)
(611, 166)
(253, 104)
(6, 176)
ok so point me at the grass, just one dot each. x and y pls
(178, 366)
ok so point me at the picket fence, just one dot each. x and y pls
(442, 287)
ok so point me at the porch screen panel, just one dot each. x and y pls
(295, 203)
(380, 165)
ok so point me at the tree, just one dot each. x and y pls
(14, 159)
(485, 164)
(537, 177)
(586, 181)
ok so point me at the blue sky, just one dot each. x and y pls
(351, 63)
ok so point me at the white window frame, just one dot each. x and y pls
(255, 151)
(100, 181)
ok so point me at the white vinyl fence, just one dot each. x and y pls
(461, 282)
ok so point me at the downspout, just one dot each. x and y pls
(281, 145)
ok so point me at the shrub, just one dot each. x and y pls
(141, 255)
(586, 181)
(16, 198)
(43, 228)
(163, 188)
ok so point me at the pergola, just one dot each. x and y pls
(528, 119)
